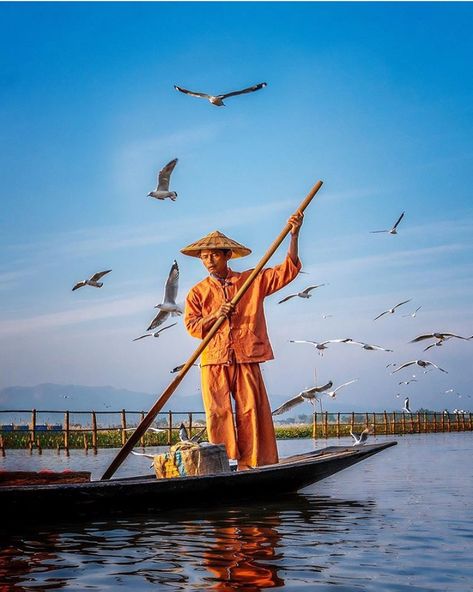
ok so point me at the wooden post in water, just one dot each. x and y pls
(434, 420)
(385, 423)
(190, 425)
(449, 427)
(374, 424)
(443, 422)
(326, 424)
(33, 427)
(170, 429)
(66, 432)
(403, 420)
(338, 425)
(457, 422)
(352, 421)
(469, 422)
(393, 423)
(142, 439)
(2, 446)
(94, 432)
(314, 425)
(123, 414)
(38, 445)
(86, 444)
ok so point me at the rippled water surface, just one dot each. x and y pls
(400, 520)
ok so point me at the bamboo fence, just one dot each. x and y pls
(94, 431)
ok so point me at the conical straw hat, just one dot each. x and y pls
(216, 240)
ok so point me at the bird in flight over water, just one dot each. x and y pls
(92, 281)
(393, 230)
(164, 178)
(360, 438)
(217, 100)
(406, 407)
(309, 395)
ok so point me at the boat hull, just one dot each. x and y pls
(138, 494)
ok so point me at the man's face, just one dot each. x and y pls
(215, 260)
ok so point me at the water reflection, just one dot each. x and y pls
(254, 548)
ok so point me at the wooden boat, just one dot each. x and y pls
(137, 494)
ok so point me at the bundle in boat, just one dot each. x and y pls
(187, 459)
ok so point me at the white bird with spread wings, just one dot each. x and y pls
(309, 395)
(92, 281)
(168, 306)
(319, 345)
(392, 310)
(217, 100)
(421, 363)
(164, 178)
(393, 230)
(304, 294)
(155, 334)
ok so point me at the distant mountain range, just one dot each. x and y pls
(74, 397)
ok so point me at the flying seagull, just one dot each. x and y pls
(436, 344)
(333, 394)
(92, 281)
(217, 100)
(168, 306)
(319, 346)
(393, 229)
(309, 395)
(303, 294)
(421, 363)
(360, 438)
(439, 336)
(367, 346)
(164, 177)
(408, 381)
(391, 310)
(184, 435)
(406, 407)
(155, 334)
(413, 314)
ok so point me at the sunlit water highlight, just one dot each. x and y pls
(401, 520)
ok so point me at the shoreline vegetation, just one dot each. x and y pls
(66, 436)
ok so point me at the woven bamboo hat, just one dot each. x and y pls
(216, 240)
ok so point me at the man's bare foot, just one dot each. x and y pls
(243, 467)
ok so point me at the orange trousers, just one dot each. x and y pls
(249, 438)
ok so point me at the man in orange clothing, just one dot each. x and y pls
(230, 363)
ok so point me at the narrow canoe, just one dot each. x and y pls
(131, 494)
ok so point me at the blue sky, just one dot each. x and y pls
(375, 99)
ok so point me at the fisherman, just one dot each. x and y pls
(230, 365)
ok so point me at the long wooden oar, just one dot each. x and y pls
(156, 408)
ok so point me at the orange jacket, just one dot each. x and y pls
(245, 332)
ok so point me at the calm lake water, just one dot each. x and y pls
(401, 520)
